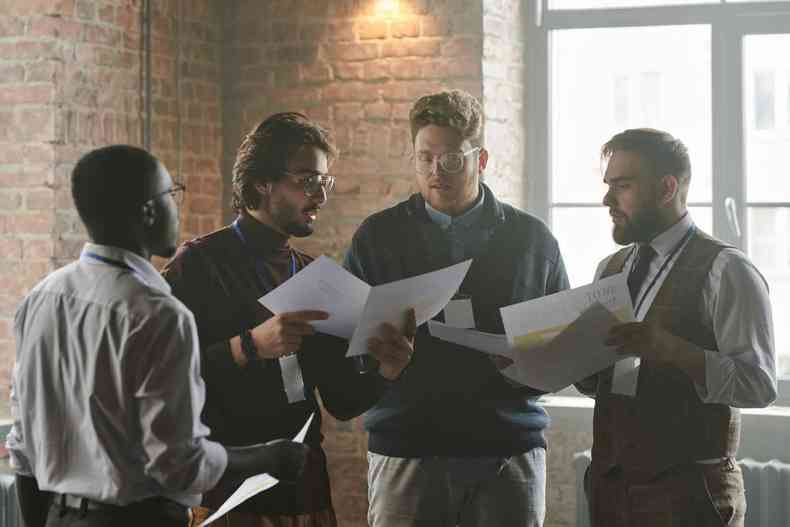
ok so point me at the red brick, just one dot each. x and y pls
(6, 328)
(30, 50)
(27, 94)
(407, 27)
(11, 73)
(353, 52)
(39, 199)
(351, 92)
(44, 71)
(407, 69)
(55, 27)
(373, 29)
(10, 200)
(106, 13)
(10, 248)
(412, 47)
(38, 250)
(37, 7)
(349, 71)
(378, 110)
(107, 36)
(35, 124)
(317, 72)
(348, 112)
(433, 26)
(31, 223)
(377, 70)
(11, 26)
(463, 47)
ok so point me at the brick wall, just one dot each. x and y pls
(358, 72)
(71, 80)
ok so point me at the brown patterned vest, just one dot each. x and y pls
(665, 425)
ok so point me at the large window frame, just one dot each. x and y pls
(729, 23)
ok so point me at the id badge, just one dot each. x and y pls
(459, 313)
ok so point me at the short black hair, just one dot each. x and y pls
(663, 153)
(108, 183)
(265, 151)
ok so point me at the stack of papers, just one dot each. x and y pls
(357, 309)
(555, 340)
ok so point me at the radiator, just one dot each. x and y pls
(767, 488)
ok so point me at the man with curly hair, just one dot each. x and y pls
(452, 441)
(261, 370)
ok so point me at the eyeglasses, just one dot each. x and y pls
(449, 162)
(177, 191)
(314, 184)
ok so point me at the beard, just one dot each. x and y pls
(291, 220)
(642, 226)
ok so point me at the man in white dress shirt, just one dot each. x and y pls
(663, 451)
(107, 392)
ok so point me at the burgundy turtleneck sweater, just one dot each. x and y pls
(215, 276)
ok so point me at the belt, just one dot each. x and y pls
(157, 505)
(78, 502)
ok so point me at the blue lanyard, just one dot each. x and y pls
(664, 266)
(108, 261)
(260, 269)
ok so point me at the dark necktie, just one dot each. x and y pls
(644, 255)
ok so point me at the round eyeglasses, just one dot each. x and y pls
(177, 191)
(314, 184)
(449, 162)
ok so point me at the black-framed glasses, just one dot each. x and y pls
(449, 162)
(314, 184)
(177, 191)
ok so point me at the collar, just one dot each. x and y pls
(138, 264)
(668, 240)
(260, 238)
(467, 219)
(492, 212)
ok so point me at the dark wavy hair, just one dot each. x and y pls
(659, 150)
(456, 109)
(264, 153)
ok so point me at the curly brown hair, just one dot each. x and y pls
(264, 153)
(456, 109)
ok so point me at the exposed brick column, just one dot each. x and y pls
(71, 80)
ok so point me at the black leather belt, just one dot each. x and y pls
(155, 505)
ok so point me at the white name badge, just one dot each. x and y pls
(459, 314)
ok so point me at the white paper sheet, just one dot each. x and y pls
(326, 286)
(490, 343)
(559, 339)
(427, 293)
(254, 484)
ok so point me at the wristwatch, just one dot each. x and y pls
(248, 346)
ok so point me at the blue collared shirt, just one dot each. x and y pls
(465, 233)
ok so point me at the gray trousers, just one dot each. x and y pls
(464, 492)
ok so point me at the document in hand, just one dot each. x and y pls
(558, 339)
(355, 308)
(254, 484)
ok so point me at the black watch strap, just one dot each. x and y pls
(248, 346)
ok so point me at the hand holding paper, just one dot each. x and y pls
(392, 348)
(255, 484)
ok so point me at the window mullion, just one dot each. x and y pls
(727, 122)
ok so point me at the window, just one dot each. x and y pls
(713, 73)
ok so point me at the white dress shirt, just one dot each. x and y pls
(106, 389)
(735, 305)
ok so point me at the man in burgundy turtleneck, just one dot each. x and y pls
(261, 369)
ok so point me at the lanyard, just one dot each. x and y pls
(260, 269)
(108, 261)
(664, 266)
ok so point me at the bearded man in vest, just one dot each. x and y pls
(667, 423)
